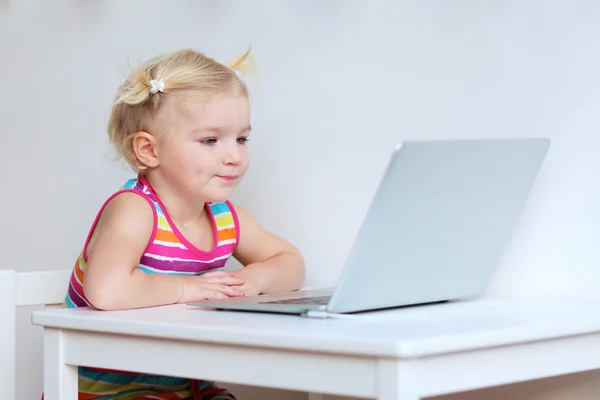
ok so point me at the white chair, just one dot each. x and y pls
(20, 290)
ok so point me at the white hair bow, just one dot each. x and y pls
(157, 86)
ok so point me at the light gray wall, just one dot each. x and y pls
(341, 82)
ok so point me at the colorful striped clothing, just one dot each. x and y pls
(167, 252)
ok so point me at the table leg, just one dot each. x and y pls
(396, 381)
(60, 379)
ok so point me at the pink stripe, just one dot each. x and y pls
(176, 252)
(180, 266)
(76, 285)
(236, 222)
(226, 249)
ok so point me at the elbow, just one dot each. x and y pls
(102, 297)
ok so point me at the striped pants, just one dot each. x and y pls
(119, 385)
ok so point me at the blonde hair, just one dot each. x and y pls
(147, 86)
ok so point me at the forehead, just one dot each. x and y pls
(227, 111)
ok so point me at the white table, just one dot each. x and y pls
(403, 354)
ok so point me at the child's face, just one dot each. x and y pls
(204, 153)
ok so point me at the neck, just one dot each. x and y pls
(182, 209)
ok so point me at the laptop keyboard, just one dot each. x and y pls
(321, 300)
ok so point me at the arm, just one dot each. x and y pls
(112, 280)
(271, 264)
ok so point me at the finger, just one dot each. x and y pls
(215, 295)
(231, 291)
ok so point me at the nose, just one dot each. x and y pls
(232, 155)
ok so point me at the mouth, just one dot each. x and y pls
(227, 178)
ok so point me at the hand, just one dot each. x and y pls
(210, 286)
(251, 286)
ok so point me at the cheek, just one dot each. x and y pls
(245, 157)
(203, 162)
(191, 156)
(177, 155)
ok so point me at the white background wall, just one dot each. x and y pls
(341, 82)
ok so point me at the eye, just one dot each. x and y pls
(243, 140)
(208, 141)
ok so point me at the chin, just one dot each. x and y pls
(218, 197)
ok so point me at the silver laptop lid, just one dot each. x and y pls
(439, 223)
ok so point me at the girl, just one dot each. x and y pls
(182, 122)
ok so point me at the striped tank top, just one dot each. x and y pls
(167, 252)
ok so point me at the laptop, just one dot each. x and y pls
(436, 228)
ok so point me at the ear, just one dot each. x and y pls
(145, 149)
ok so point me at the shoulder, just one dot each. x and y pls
(131, 202)
(127, 215)
(128, 206)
